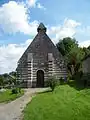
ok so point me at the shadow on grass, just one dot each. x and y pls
(78, 85)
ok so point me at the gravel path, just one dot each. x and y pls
(13, 110)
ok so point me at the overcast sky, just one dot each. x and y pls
(19, 20)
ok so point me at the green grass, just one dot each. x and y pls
(65, 103)
(7, 96)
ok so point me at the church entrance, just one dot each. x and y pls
(40, 78)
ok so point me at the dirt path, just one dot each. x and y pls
(13, 110)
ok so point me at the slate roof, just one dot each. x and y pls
(42, 43)
(41, 27)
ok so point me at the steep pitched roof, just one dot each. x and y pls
(41, 26)
(42, 43)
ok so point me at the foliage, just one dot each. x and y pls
(81, 80)
(74, 58)
(8, 79)
(14, 91)
(61, 81)
(78, 75)
(66, 103)
(1, 81)
(12, 78)
(66, 45)
(52, 82)
(72, 53)
(86, 79)
(13, 73)
(86, 51)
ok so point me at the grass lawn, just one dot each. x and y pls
(65, 103)
(7, 96)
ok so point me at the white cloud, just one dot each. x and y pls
(32, 3)
(71, 23)
(40, 6)
(85, 43)
(35, 4)
(27, 42)
(10, 54)
(68, 29)
(14, 17)
(33, 27)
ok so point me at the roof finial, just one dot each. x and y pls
(41, 27)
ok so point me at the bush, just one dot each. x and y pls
(52, 82)
(61, 81)
(82, 79)
(77, 76)
(14, 91)
(86, 79)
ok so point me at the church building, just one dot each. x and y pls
(40, 61)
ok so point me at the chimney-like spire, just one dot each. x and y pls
(41, 27)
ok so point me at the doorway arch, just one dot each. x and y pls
(40, 78)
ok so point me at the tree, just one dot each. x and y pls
(13, 73)
(66, 44)
(1, 80)
(74, 58)
(72, 53)
(86, 51)
(12, 77)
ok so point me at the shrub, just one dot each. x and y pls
(78, 75)
(61, 81)
(86, 79)
(52, 82)
(14, 91)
